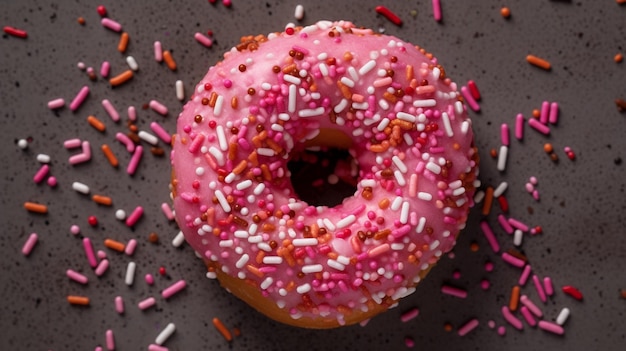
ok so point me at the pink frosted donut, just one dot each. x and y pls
(330, 84)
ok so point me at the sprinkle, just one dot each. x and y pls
(167, 211)
(469, 99)
(41, 173)
(146, 303)
(538, 62)
(121, 78)
(511, 319)
(173, 289)
(132, 63)
(154, 347)
(148, 138)
(299, 12)
(531, 306)
(519, 126)
(114, 245)
(452, 291)
(110, 340)
(500, 189)
(180, 90)
(91, 256)
(111, 24)
(563, 316)
(80, 187)
(540, 292)
(130, 274)
(134, 216)
(123, 43)
(161, 132)
(512, 260)
(502, 158)
(56, 103)
(388, 14)
(553, 115)
(158, 107)
(437, 10)
(158, 51)
(134, 161)
(165, 334)
(35, 207)
(518, 236)
(514, 300)
(79, 98)
(573, 292)
(102, 267)
(222, 329)
(549, 288)
(473, 89)
(130, 247)
(29, 244)
(488, 201)
(109, 155)
(203, 39)
(504, 134)
(169, 60)
(119, 304)
(409, 315)
(491, 238)
(505, 12)
(77, 277)
(178, 240)
(528, 316)
(551, 327)
(84, 156)
(78, 300)
(19, 33)
(468, 327)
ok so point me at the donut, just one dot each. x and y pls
(328, 85)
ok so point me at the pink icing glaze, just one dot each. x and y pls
(412, 141)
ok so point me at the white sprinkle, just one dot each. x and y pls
(424, 196)
(244, 185)
(217, 110)
(383, 124)
(420, 225)
(148, 138)
(120, 214)
(272, 260)
(517, 237)
(425, 103)
(479, 196)
(266, 86)
(436, 73)
(502, 156)
(383, 104)
(406, 117)
(347, 82)
(323, 69)
(266, 283)
(259, 189)
(563, 315)
(336, 265)
(22, 144)
(221, 138)
(465, 127)
(178, 240)
(458, 107)
(293, 94)
(360, 105)
(399, 178)
(200, 171)
(219, 156)
(500, 189)
(304, 242)
(130, 273)
(241, 234)
(397, 202)
(346, 221)
(291, 79)
(132, 63)
(303, 289)
(329, 225)
(299, 13)
(226, 243)
(433, 167)
(311, 112)
(180, 90)
(446, 124)
(222, 200)
(368, 66)
(165, 334)
(323, 56)
(80, 187)
(398, 162)
(458, 191)
(43, 158)
(341, 106)
(242, 261)
(264, 151)
(312, 268)
(404, 214)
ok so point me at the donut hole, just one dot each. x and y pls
(323, 176)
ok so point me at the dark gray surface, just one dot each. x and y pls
(581, 208)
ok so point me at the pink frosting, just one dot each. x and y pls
(412, 141)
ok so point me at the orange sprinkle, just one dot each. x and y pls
(505, 12)
(222, 329)
(547, 147)
(447, 327)
(35, 207)
(109, 155)
(234, 102)
(96, 123)
(623, 293)
(78, 300)
(514, 301)
(114, 245)
(254, 270)
(474, 247)
(121, 78)
(618, 57)
(536, 113)
(539, 62)
(169, 60)
(123, 44)
(493, 153)
(102, 200)
(81, 21)
(488, 200)
(383, 204)
(241, 166)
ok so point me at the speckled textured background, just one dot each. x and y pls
(581, 209)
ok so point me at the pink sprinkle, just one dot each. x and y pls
(77, 277)
(491, 238)
(525, 274)
(437, 10)
(409, 315)
(485, 284)
(167, 211)
(545, 111)
(134, 161)
(539, 288)
(101, 254)
(72, 143)
(30, 244)
(518, 224)
(111, 24)
(456, 292)
(551, 327)
(82, 157)
(519, 126)
(132, 113)
(56, 103)
(553, 118)
(409, 342)
(509, 317)
(538, 126)
(471, 85)
(52, 181)
(531, 306)
(528, 316)
(146, 303)
(102, 267)
(158, 51)
(91, 256)
(504, 134)
(504, 223)
(119, 304)
(547, 285)
(124, 139)
(489, 266)
(80, 98)
(155, 347)
(110, 109)
(158, 107)
(491, 324)
(160, 132)
(135, 215)
(41, 173)
(501, 330)
(468, 97)
(110, 340)
(512, 260)
(130, 247)
(74, 229)
(535, 194)
(173, 289)
(203, 39)
(149, 279)
(196, 143)
(105, 69)
(468, 327)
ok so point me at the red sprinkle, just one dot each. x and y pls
(93, 221)
(389, 15)
(504, 203)
(473, 89)
(15, 32)
(162, 270)
(102, 11)
(289, 31)
(573, 292)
